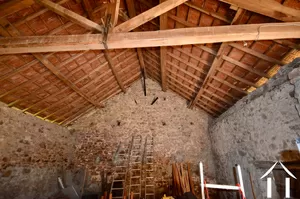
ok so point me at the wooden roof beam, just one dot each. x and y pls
(269, 8)
(148, 15)
(70, 15)
(184, 36)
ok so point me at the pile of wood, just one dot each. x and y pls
(182, 179)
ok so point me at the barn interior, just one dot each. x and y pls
(117, 99)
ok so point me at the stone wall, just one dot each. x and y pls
(180, 134)
(262, 126)
(32, 155)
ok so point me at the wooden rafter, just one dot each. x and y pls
(148, 15)
(163, 22)
(183, 36)
(72, 16)
(14, 32)
(216, 63)
(113, 11)
(271, 8)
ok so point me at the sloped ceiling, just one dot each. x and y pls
(61, 86)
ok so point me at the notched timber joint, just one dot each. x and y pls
(106, 30)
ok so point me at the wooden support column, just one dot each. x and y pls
(14, 32)
(163, 22)
(216, 63)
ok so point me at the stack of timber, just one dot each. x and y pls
(182, 179)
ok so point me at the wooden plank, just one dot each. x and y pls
(70, 15)
(206, 109)
(210, 13)
(217, 96)
(183, 36)
(181, 20)
(242, 80)
(113, 9)
(288, 44)
(257, 54)
(245, 66)
(203, 61)
(148, 15)
(56, 72)
(194, 84)
(163, 22)
(222, 81)
(187, 63)
(214, 102)
(216, 63)
(110, 63)
(213, 107)
(271, 8)
(184, 71)
(222, 91)
(13, 6)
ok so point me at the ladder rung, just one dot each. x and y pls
(149, 170)
(134, 185)
(121, 188)
(118, 181)
(149, 177)
(150, 185)
(135, 169)
(121, 173)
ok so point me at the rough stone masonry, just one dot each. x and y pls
(180, 134)
(262, 126)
